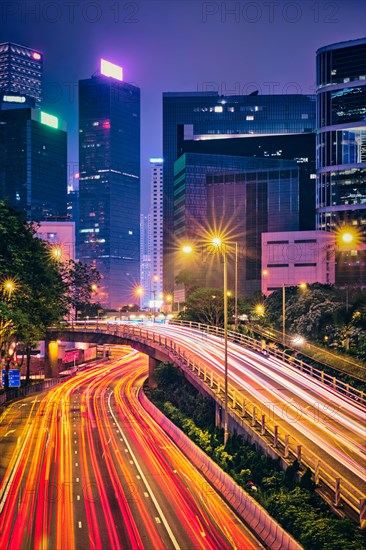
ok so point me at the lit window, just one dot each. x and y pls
(218, 109)
(249, 117)
(130, 232)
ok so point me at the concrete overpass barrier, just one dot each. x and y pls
(271, 534)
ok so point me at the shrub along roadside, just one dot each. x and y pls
(293, 503)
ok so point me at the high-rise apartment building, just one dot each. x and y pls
(209, 116)
(33, 163)
(145, 259)
(21, 71)
(156, 234)
(341, 149)
(109, 182)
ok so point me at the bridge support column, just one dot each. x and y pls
(51, 358)
(152, 364)
(217, 415)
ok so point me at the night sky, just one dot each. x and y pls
(183, 45)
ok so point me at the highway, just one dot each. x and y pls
(85, 467)
(330, 427)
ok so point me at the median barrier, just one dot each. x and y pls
(271, 534)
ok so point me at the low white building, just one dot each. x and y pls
(296, 257)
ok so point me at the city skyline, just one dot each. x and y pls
(149, 40)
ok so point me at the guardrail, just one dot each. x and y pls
(243, 410)
(253, 514)
(23, 391)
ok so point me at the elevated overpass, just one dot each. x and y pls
(288, 411)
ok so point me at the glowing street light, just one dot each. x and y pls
(187, 249)
(217, 242)
(259, 309)
(9, 286)
(57, 252)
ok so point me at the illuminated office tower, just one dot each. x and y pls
(33, 163)
(341, 149)
(208, 116)
(21, 71)
(109, 182)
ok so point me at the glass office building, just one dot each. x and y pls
(109, 185)
(341, 147)
(33, 163)
(241, 196)
(21, 70)
(209, 116)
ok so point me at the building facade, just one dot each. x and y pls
(109, 184)
(145, 260)
(240, 197)
(341, 149)
(33, 163)
(209, 116)
(295, 257)
(157, 222)
(21, 71)
(61, 237)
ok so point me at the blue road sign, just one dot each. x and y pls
(14, 378)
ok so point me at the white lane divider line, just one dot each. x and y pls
(153, 498)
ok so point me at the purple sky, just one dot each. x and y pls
(182, 45)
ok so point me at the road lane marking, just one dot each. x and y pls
(78, 497)
(80, 524)
(157, 506)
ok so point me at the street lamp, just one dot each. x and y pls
(9, 286)
(219, 245)
(259, 309)
(57, 252)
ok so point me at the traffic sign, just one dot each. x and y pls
(14, 378)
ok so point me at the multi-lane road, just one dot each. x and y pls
(84, 466)
(330, 427)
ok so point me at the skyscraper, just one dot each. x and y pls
(109, 182)
(242, 197)
(33, 163)
(156, 235)
(209, 116)
(21, 70)
(145, 259)
(341, 147)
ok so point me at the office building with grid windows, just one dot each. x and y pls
(21, 71)
(341, 149)
(209, 116)
(242, 196)
(109, 183)
(33, 163)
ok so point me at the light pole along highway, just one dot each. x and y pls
(220, 246)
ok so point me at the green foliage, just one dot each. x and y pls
(43, 289)
(39, 296)
(323, 313)
(290, 500)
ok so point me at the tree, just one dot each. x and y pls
(206, 305)
(81, 280)
(38, 297)
(189, 279)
